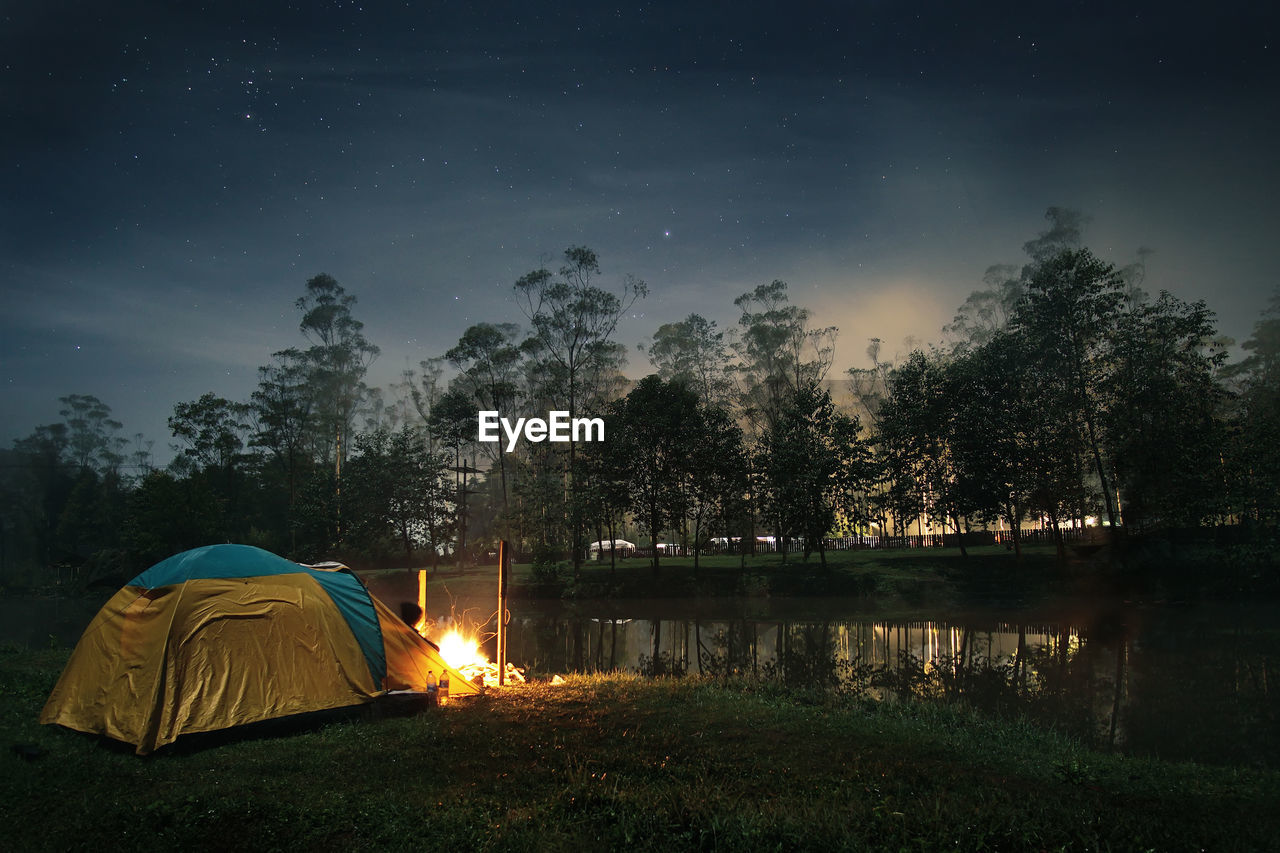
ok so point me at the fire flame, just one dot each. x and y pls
(463, 654)
(458, 651)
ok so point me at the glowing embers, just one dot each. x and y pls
(464, 655)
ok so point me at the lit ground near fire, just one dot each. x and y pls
(603, 762)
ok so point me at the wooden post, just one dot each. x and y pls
(504, 557)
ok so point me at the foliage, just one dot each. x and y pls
(778, 353)
(1162, 424)
(693, 352)
(337, 360)
(1254, 446)
(814, 461)
(654, 433)
(571, 354)
(213, 431)
(397, 495)
(1065, 393)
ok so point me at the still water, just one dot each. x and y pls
(1187, 682)
(1178, 681)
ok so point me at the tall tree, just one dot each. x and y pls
(997, 434)
(398, 494)
(694, 352)
(453, 423)
(573, 321)
(1255, 447)
(489, 359)
(652, 432)
(1162, 419)
(987, 312)
(813, 460)
(1068, 318)
(715, 473)
(919, 437)
(212, 431)
(282, 407)
(92, 438)
(778, 353)
(339, 357)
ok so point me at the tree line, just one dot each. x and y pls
(1061, 394)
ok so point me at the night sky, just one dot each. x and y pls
(170, 178)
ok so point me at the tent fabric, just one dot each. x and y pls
(227, 635)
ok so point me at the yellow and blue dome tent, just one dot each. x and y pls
(226, 635)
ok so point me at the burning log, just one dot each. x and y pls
(487, 673)
(464, 655)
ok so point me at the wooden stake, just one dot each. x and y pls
(504, 557)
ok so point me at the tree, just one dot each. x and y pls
(715, 473)
(573, 321)
(652, 434)
(91, 433)
(1068, 319)
(282, 406)
(919, 437)
(167, 515)
(398, 492)
(987, 312)
(338, 358)
(778, 353)
(453, 423)
(997, 431)
(1065, 233)
(604, 484)
(813, 460)
(213, 431)
(38, 486)
(489, 359)
(1255, 448)
(1161, 422)
(693, 352)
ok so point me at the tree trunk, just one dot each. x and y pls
(697, 549)
(653, 535)
(1015, 526)
(613, 551)
(955, 520)
(1057, 536)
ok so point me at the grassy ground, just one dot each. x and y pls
(603, 762)
(933, 574)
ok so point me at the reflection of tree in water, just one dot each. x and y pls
(729, 651)
(807, 656)
(1115, 681)
(1212, 700)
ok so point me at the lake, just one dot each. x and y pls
(1194, 682)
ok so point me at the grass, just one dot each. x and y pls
(605, 762)
(906, 575)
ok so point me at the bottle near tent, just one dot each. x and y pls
(432, 688)
(444, 687)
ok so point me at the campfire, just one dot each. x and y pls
(463, 654)
(460, 651)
